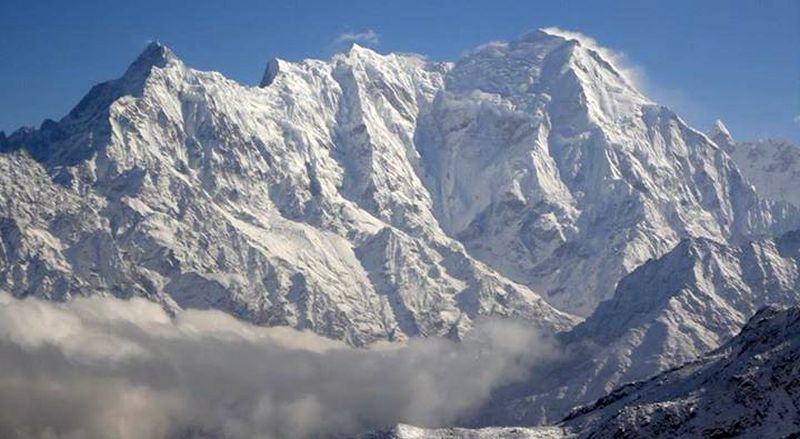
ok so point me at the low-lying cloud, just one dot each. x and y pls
(105, 367)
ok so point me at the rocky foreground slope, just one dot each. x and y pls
(749, 388)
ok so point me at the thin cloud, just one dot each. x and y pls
(105, 367)
(797, 119)
(344, 40)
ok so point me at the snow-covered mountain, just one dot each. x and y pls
(749, 387)
(549, 165)
(294, 204)
(771, 165)
(668, 311)
(368, 196)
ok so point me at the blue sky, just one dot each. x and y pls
(734, 60)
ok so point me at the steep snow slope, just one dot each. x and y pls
(293, 204)
(667, 312)
(750, 387)
(547, 163)
(771, 165)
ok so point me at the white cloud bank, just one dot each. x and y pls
(104, 367)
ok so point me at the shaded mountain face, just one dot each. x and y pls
(665, 313)
(369, 196)
(749, 387)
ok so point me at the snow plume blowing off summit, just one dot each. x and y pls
(104, 367)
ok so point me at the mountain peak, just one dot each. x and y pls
(770, 321)
(720, 135)
(357, 50)
(544, 34)
(272, 70)
(720, 127)
(154, 54)
(550, 61)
